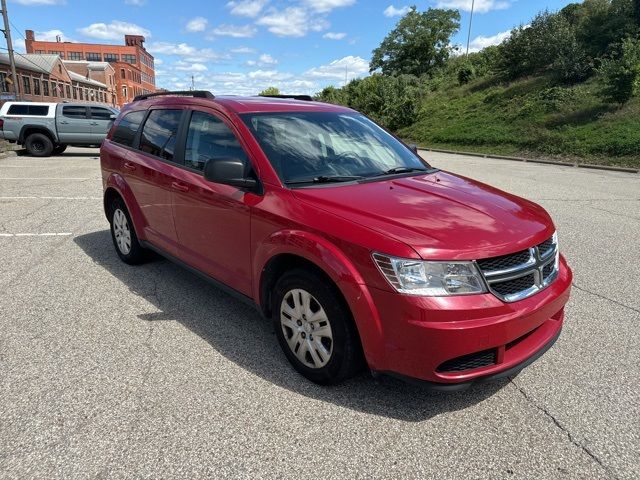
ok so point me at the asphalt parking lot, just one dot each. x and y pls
(114, 371)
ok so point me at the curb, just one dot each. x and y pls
(533, 160)
(10, 153)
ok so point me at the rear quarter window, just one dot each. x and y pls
(127, 128)
(36, 110)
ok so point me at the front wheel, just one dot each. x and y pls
(314, 328)
(124, 236)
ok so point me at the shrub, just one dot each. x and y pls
(622, 73)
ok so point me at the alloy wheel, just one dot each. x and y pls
(121, 231)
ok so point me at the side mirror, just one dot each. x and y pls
(112, 117)
(414, 148)
(228, 171)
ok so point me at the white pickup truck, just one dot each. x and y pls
(48, 128)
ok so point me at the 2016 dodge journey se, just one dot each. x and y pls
(359, 251)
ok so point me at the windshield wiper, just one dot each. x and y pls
(396, 170)
(327, 179)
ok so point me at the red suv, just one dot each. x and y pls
(358, 250)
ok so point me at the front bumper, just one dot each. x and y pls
(422, 335)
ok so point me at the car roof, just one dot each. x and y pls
(239, 104)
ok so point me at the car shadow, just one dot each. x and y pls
(224, 322)
(92, 153)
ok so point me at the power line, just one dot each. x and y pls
(470, 23)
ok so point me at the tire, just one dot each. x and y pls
(38, 145)
(331, 357)
(124, 235)
(58, 149)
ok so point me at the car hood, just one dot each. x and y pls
(440, 215)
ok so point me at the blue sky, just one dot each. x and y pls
(243, 46)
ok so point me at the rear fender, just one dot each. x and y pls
(117, 183)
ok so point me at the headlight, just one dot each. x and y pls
(430, 279)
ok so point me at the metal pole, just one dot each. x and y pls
(12, 60)
(473, 3)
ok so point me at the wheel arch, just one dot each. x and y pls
(116, 187)
(27, 130)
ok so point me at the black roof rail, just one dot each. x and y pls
(178, 93)
(306, 98)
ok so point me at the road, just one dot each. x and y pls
(111, 371)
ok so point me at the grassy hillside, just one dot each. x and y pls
(534, 116)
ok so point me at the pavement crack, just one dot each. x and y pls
(564, 429)
(633, 309)
(631, 217)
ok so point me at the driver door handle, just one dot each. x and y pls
(181, 187)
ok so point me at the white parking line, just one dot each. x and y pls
(48, 234)
(49, 198)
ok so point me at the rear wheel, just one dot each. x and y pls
(314, 328)
(123, 234)
(38, 145)
(58, 149)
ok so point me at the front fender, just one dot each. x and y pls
(117, 182)
(333, 261)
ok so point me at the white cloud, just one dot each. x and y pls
(481, 6)
(242, 50)
(334, 36)
(50, 36)
(392, 11)
(40, 2)
(267, 59)
(189, 67)
(350, 66)
(324, 6)
(197, 24)
(247, 8)
(235, 31)
(292, 22)
(481, 42)
(188, 52)
(113, 31)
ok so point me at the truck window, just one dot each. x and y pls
(101, 113)
(22, 109)
(74, 112)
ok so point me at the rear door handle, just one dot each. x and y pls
(181, 187)
(129, 166)
(94, 123)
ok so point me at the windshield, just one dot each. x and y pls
(314, 147)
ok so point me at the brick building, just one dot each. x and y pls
(133, 65)
(45, 78)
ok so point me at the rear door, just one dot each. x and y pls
(213, 220)
(100, 123)
(74, 125)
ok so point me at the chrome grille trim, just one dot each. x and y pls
(540, 256)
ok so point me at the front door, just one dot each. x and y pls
(100, 123)
(212, 220)
(74, 126)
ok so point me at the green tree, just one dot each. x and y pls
(622, 74)
(270, 91)
(420, 43)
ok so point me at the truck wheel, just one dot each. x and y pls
(58, 149)
(38, 145)
(315, 328)
(123, 234)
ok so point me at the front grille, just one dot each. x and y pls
(469, 362)
(519, 275)
(512, 287)
(505, 261)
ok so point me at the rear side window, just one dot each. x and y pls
(101, 113)
(125, 131)
(210, 138)
(159, 133)
(38, 110)
(74, 112)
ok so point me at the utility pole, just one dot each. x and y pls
(473, 3)
(193, 83)
(12, 60)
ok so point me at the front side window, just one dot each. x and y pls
(74, 112)
(101, 113)
(125, 131)
(159, 133)
(210, 138)
(307, 147)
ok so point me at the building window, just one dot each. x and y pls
(68, 91)
(3, 82)
(111, 57)
(75, 93)
(36, 86)
(86, 94)
(80, 93)
(75, 56)
(94, 57)
(123, 75)
(26, 82)
(45, 88)
(129, 58)
(39, 51)
(54, 89)
(124, 92)
(56, 52)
